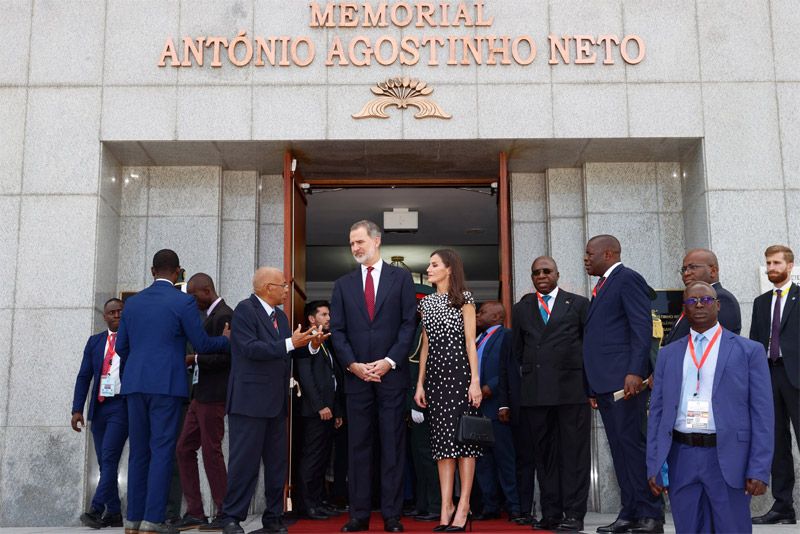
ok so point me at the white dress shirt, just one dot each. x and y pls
(210, 309)
(114, 369)
(784, 289)
(610, 269)
(553, 294)
(289, 345)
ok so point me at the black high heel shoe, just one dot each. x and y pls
(462, 528)
(443, 528)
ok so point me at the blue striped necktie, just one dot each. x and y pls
(545, 315)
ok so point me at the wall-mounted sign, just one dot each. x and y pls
(420, 44)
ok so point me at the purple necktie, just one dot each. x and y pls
(775, 335)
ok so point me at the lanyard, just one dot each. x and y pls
(705, 355)
(486, 337)
(545, 307)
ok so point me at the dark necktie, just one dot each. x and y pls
(775, 334)
(598, 286)
(369, 293)
(274, 320)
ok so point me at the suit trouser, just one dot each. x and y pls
(203, 427)
(699, 495)
(786, 399)
(498, 464)
(526, 467)
(388, 407)
(623, 424)
(254, 439)
(314, 459)
(153, 426)
(429, 498)
(558, 438)
(109, 433)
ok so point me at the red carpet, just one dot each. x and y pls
(376, 525)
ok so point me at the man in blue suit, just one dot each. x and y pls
(100, 374)
(499, 462)
(373, 321)
(152, 343)
(711, 420)
(616, 356)
(262, 343)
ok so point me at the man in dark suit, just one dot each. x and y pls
(616, 356)
(321, 407)
(204, 423)
(701, 265)
(262, 343)
(555, 416)
(711, 420)
(498, 464)
(99, 374)
(152, 340)
(776, 325)
(372, 322)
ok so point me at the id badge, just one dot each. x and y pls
(107, 386)
(697, 414)
(196, 374)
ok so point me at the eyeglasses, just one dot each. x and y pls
(692, 267)
(537, 272)
(283, 285)
(691, 302)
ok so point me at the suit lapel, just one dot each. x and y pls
(385, 283)
(100, 350)
(676, 369)
(725, 346)
(791, 301)
(534, 314)
(604, 289)
(262, 315)
(357, 292)
(559, 309)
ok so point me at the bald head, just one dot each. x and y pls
(700, 265)
(490, 314)
(270, 284)
(602, 251)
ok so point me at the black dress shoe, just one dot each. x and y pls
(487, 516)
(354, 525)
(647, 525)
(426, 517)
(215, 525)
(92, 518)
(620, 525)
(524, 519)
(570, 524)
(409, 512)
(317, 514)
(546, 523)
(111, 520)
(392, 524)
(770, 518)
(276, 526)
(188, 522)
(232, 527)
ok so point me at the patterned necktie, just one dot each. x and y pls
(369, 293)
(542, 311)
(112, 341)
(598, 286)
(274, 320)
(775, 334)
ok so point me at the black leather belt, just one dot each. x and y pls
(775, 363)
(695, 439)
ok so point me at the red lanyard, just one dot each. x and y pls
(486, 337)
(705, 355)
(545, 307)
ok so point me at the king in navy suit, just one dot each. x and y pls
(616, 355)
(711, 420)
(152, 344)
(108, 414)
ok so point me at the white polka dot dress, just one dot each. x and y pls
(447, 374)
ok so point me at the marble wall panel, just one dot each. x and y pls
(36, 494)
(672, 249)
(134, 113)
(58, 337)
(238, 260)
(696, 229)
(184, 191)
(218, 113)
(270, 190)
(132, 267)
(742, 144)
(785, 20)
(110, 180)
(131, 29)
(194, 239)
(67, 42)
(291, 112)
(15, 26)
(565, 192)
(437, 74)
(106, 255)
(9, 235)
(515, 111)
(239, 194)
(529, 240)
(665, 109)
(789, 113)
(460, 101)
(12, 117)
(585, 110)
(567, 243)
(56, 244)
(621, 187)
(135, 191)
(792, 202)
(637, 253)
(528, 198)
(668, 179)
(6, 320)
(723, 29)
(270, 245)
(343, 103)
(56, 115)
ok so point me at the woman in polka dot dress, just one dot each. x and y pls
(448, 380)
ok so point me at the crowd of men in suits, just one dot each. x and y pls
(720, 406)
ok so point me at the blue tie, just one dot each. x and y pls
(545, 316)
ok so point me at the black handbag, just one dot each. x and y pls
(475, 430)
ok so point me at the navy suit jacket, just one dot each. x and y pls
(88, 378)
(389, 334)
(496, 348)
(742, 402)
(152, 336)
(618, 332)
(259, 380)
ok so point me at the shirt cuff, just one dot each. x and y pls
(289, 345)
(312, 350)
(195, 359)
(503, 408)
(391, 362)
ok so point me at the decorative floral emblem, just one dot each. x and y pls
(402, 93)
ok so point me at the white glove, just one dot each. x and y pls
(417, 417)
